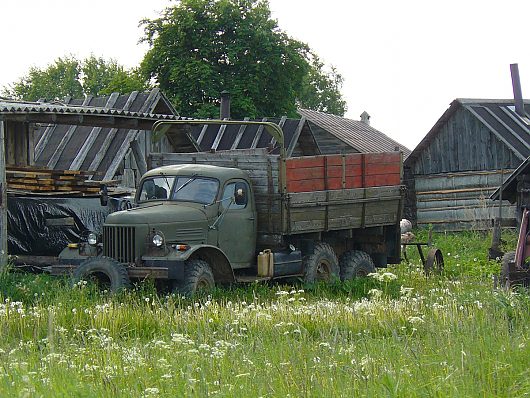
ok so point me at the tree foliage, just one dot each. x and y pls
(199, 48)
(321, 89)
(69, 76)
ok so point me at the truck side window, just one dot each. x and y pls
(156, 188)
(230, 191)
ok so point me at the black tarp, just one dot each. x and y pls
(43, 226)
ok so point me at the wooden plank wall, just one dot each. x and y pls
(18, 144)
(464, 144)
(3, 198)
(359, 170)
(460, 201)
(327, 142)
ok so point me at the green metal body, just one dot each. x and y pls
(216, 226)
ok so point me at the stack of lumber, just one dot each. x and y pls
(45, 181)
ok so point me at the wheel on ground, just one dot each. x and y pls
(106, 272)
(197, 276)
(434, 263)
(321, 265)
(505, 269)
(355, 264)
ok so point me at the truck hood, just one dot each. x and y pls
(158, 213)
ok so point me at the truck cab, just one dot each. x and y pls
(186, 207)
(185, 219)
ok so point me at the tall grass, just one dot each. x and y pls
(451, 335)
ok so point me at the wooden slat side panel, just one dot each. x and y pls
(382, 169)
(343, 209)
(336, 172)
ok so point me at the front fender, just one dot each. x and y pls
(216, 258)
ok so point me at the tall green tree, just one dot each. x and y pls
(199, 48)
(321, 89)
(70, 76)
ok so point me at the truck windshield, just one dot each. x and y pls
(188, 189)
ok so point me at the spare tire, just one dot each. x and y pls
(108, 273)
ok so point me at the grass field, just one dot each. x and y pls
(398, 334)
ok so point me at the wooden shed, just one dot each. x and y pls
(111, 153)
(453, 171)
(29, 137)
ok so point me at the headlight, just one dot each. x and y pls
(158, 240)
(92, 239)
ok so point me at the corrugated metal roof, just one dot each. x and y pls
(355, 133)
(8, 106)
(498, 115)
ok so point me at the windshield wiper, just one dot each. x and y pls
(192, 178)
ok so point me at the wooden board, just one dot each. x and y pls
(333, 172)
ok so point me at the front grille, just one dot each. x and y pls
(119, 243)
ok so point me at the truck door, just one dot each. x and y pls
(237, 229)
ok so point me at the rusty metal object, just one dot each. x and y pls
(434, 263)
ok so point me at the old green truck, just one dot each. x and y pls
(202, 219)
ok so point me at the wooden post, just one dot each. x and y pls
(3, 199)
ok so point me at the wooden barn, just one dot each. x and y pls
(109, 152)
(472, 148)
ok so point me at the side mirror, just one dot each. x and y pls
(103, 195)
(240, 197)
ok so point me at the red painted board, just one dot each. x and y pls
(310, 161)
(382, 180)
(305, 186)
(305, 173)
(389, 157)
(382, 168)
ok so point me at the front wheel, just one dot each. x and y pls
(106, 272)
(321, 265)
(198, 276)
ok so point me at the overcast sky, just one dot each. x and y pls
(403, 61)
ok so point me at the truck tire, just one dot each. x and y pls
(321, 265)
(197, 276)
(505, 269)
(108, 273)
(354, 264)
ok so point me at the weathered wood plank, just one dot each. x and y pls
(92, 136)
(66, 138)
(131, 135)
(3, 199)
(110, 136)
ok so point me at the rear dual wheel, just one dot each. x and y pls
(321, 265)
(355, 264)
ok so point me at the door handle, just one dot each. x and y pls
(251, 218)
